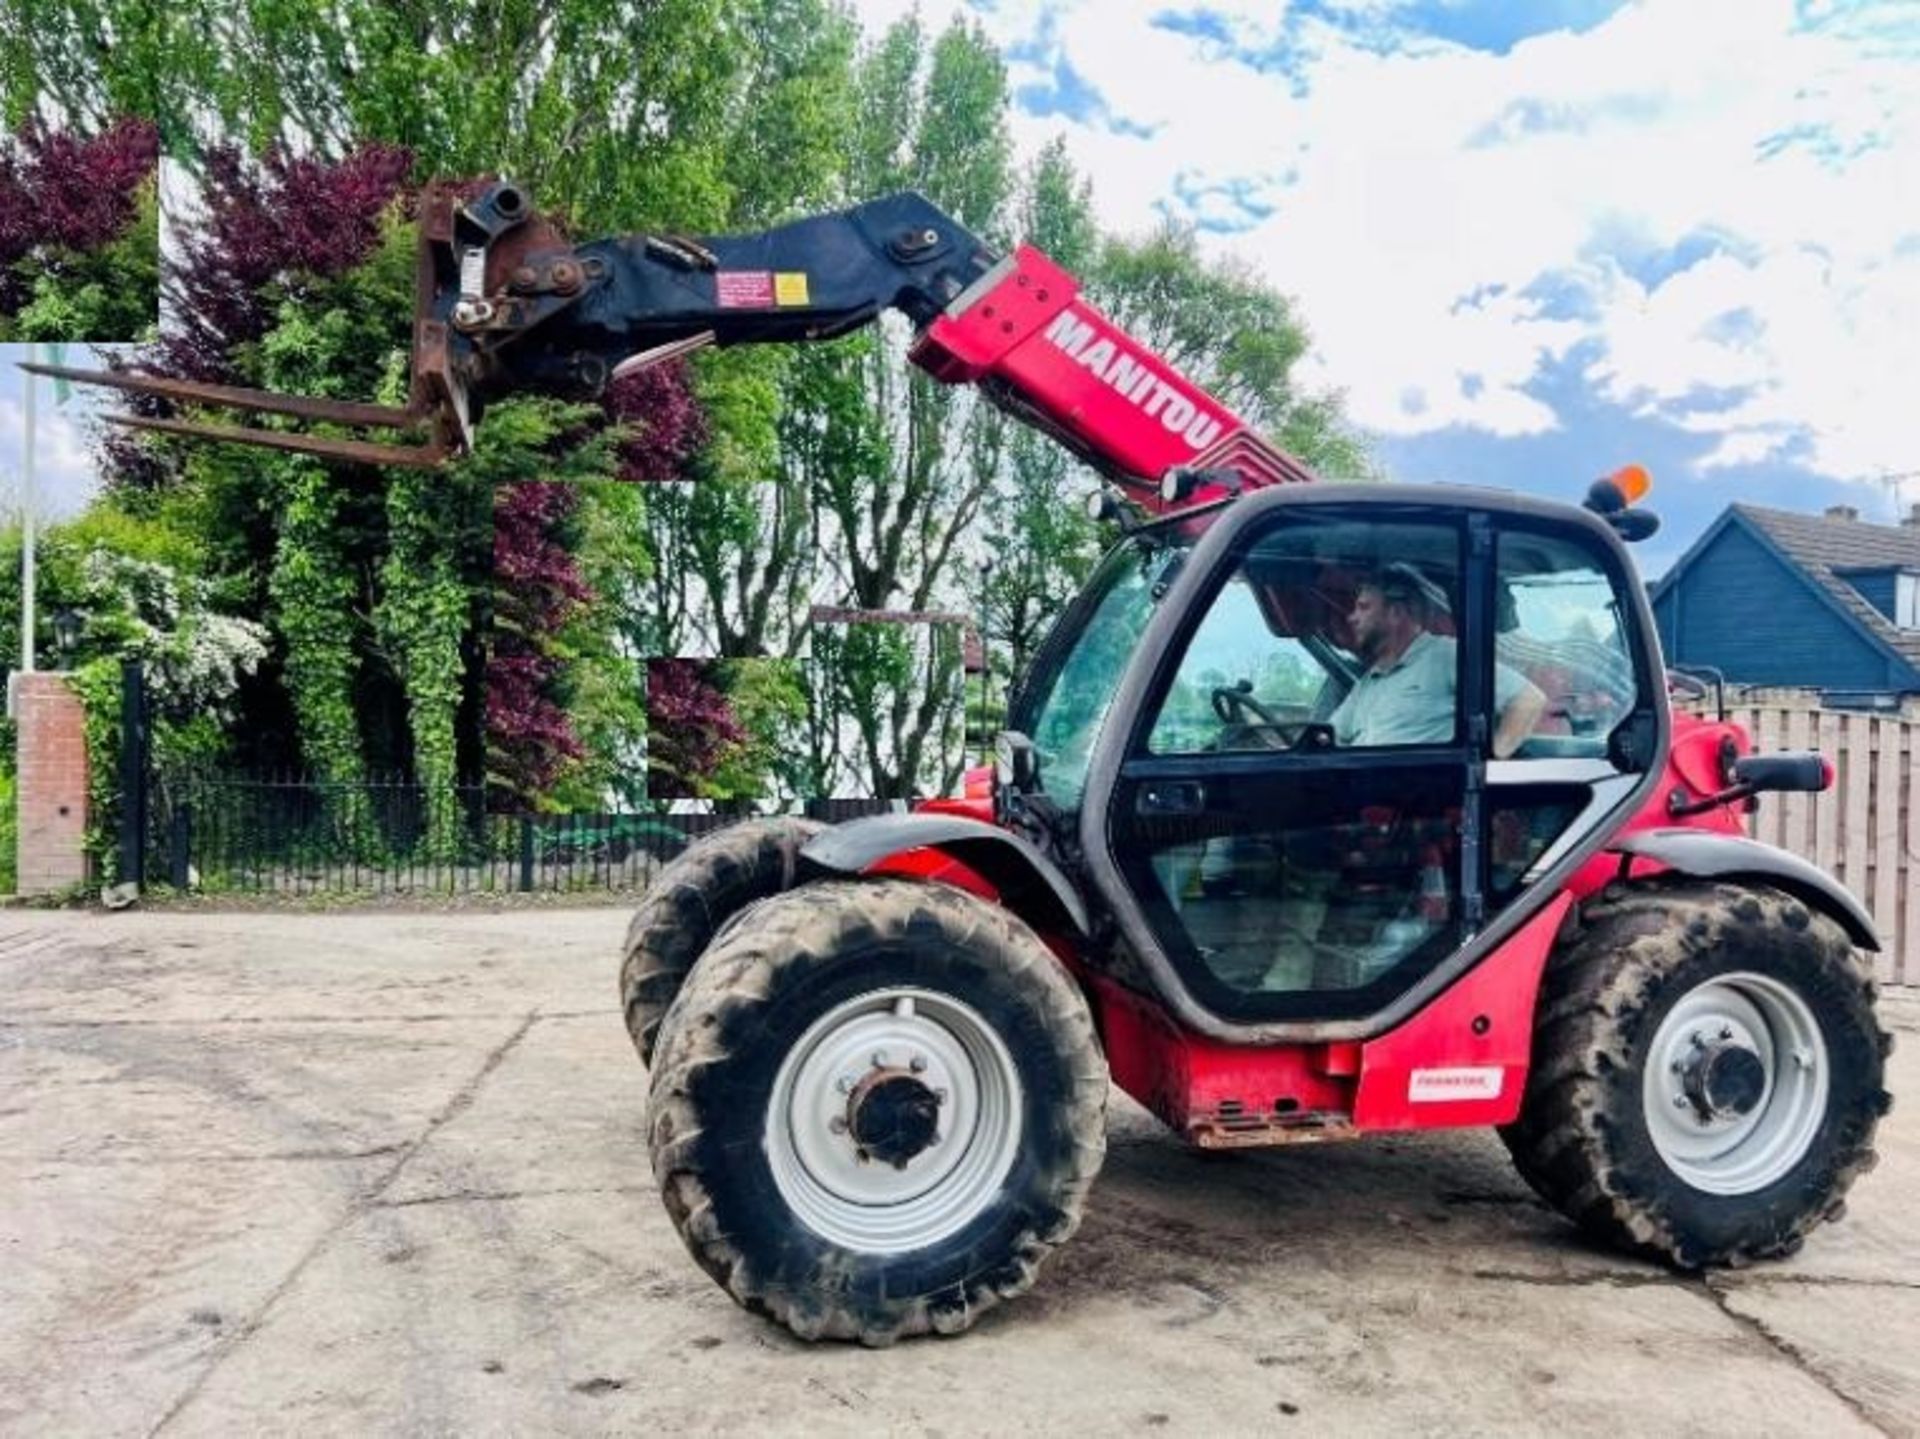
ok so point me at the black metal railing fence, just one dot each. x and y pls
(294, 835)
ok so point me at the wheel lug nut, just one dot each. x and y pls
(918, 1064)
(939, 1096)
(1679, 1101)
(879, 1059)
(838, 1124)
(1726, 1031)
(844, 1084)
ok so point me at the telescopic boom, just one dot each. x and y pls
(505, 304)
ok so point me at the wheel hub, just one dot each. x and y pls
(1735, 1085)
(1724, 1079)
(894, 1120)
(892, 1116)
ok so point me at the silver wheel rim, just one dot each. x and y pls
(1714, 1148)
(868, 1204)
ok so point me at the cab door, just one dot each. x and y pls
(1310, 815)
(1290, 864)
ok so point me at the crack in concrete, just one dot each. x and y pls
(148, 1161)
(1627, 1279)
(222, 1021)
(1787, 1350)
(1602, 1279)
(1718, 1293)
(1734, 1283)
(236, 1020)
(239, 1334)
(478, 1196)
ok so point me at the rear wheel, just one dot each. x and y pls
(1707, 1073)
(695, 895)
(877, 1107)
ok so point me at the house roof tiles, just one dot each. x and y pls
(1823, 545)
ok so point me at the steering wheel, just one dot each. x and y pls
(1234, 703)
(1252, 724)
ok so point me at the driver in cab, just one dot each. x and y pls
(1405, 693)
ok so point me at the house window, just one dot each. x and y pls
(1906, 601)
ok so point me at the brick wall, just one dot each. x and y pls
(53, 783)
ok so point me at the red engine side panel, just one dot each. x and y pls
(1213, 1094)
(1463, 1059)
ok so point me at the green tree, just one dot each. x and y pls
(92, 61)
(111, 292)
(602, 686)
(1229, 331)
(1041, 542)
(769, 698)
(898, 468)
(734, 552)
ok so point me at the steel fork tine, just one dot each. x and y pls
(364, 452)
(235, 397)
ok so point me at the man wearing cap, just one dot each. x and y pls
(1405, 695)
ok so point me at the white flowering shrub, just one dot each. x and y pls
(195, 657)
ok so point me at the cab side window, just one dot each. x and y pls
(1558, 624)
(1326, 633)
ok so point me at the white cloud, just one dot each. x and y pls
(64, 475)
(1403, 182)
(63, 470)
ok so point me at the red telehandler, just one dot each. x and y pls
(1325, 810)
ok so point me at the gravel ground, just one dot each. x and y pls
(384, 1173)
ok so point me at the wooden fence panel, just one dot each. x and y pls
(1826, 809)
(1905, 944)
(1889, 760)
(1856, 781)
(1865, 829)
(1798, 808)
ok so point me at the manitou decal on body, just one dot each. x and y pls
(1131, 376)
(1431, 1086)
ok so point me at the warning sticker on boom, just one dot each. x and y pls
(743, 289)
(790, 287)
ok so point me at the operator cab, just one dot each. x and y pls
(1322, 749)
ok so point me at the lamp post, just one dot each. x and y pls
(986, 664)
(67, 625)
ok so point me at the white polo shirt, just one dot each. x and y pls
(1413, 700)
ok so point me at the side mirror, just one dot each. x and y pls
(1801, 771)
(1016, 764)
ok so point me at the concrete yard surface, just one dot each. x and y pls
(386, 1174)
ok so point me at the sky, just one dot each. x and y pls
(1535, 241)
(64, 475)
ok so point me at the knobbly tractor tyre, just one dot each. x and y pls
(1707, 1073)
(686, 905)
(877, 1106)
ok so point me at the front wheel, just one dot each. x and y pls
(1707, 1073)
(877, 1107)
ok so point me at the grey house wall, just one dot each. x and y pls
(1741, 608)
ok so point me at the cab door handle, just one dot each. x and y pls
(1171, 797)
